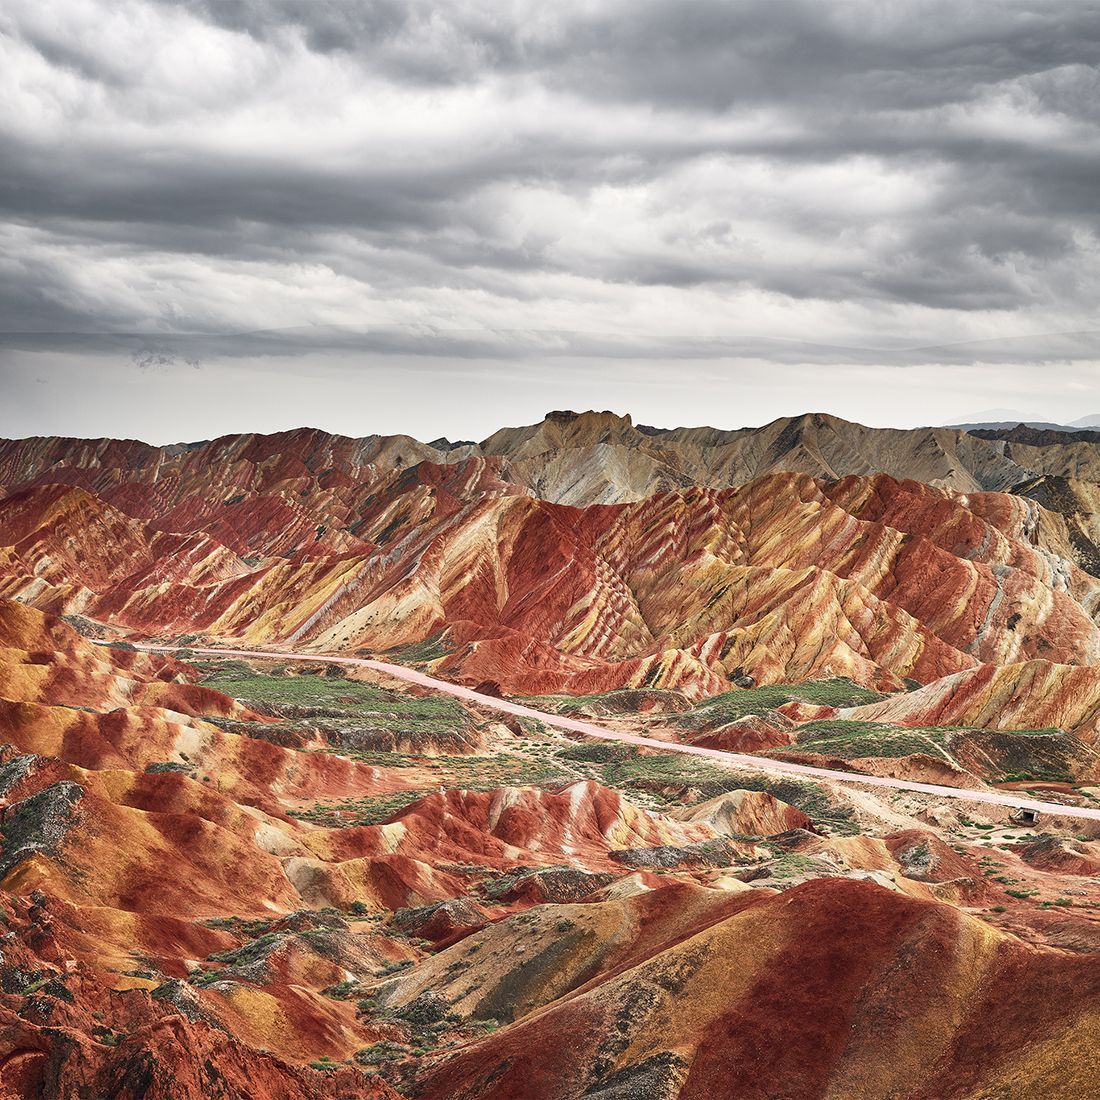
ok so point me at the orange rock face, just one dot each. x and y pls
(209, 897)
(784, 579)
(711, 1015)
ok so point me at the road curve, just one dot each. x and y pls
(589, 729)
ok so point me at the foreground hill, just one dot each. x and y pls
(254, 897)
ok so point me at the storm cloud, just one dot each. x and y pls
(797, 182)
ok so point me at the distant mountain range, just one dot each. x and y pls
(1010, 418)
(567, 458)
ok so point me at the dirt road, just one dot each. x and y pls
(590, 729)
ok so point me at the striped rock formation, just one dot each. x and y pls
(784, 579)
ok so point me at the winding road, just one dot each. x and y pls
(590, 729)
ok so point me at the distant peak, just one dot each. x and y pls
(567, 416)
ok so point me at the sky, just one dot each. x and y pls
(441, 218)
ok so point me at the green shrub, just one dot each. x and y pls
(377, 1053)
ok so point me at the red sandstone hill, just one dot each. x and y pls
(201, 899)
(784, 579)
(179, 932)
(834, 988)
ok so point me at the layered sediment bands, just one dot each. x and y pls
(134, 837)
(1030, 695)
(283, 897)
(1072, 511)
(785, 579)
(194, 911)
(827, 961)
(568, 458)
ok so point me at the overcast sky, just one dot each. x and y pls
(441, 218)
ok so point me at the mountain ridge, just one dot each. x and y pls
(598, 457)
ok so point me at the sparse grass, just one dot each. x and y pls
(570, 704)
(425, 652)
(596, 752)
(633, 771)
(342, 991)
(239, 926)
(249, 952)
(849, 740)
(1041, 776)
(483, 773)
(396, 967)
(732, 705)
(35, 986)
(378, 1053)
(339, 698)
(201, 978)
(792, 865)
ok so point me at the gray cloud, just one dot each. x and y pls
(699, 179)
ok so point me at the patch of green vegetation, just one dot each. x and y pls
(342, 991)
(649, 771)
(338, 697)
(486, 1026)
(158, 767)
(230, 668)
(377, 1053)
(249, 952)
(396, 967)
(571, 704)
(793, 865)
(742, 702)
(596, 752)
(849, 740)
(239, 926)
(425, 652)
(1048, 775)
(423, 1011)
(202, 978)
(473, 773)
(364, 811)
(483, 773)
(378, 758)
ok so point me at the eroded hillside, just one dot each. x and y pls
(273, 878)
(291, 880)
